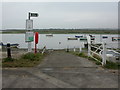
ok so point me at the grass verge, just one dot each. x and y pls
(26, 60)
(109, 64)
(112, 65)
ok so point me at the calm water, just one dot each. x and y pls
(58, 41)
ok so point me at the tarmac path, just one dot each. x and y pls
(60, 70)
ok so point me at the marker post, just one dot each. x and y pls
(29, 36)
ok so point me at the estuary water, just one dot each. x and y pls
(58, 41)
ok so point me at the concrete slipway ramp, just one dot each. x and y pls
(61, 70)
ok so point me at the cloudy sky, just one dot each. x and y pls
(61, 14)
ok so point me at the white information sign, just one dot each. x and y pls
(29, 24)
(29, 37)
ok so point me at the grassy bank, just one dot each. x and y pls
(64, 31)
(109, 64)
(26, 60)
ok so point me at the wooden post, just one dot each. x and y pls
(104, 54)
(8, 50)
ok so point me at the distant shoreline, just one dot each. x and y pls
(63, 31)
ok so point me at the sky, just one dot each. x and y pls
(69, 15)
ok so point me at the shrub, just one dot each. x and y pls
(8, 59)
(26, 60)
(32, 56)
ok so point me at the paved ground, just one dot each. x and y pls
(61, 70)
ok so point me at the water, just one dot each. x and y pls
(58, 41)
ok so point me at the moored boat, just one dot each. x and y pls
(72, 38)
(115, 38)
(50, 35)
(11, 45)
(78, 36)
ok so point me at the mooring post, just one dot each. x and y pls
(8, 50)
(89, 45)
(104, 54)
(80, 49)
(67, 49)
(74, 49)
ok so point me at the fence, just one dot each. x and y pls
(99, 50)
(44, 48)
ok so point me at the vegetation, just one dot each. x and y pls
(8, 59)
(79, 54)
(109, 64)
(66, 31)
(96, 62)
(26, 60)
(112, 65)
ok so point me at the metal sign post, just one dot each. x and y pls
(29, 24)
(29, 36)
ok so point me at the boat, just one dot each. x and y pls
(50, 35)
(11, 45)
(78, 36)
(72, 38)
(104, 37)
(115, 38)
(83, 39)
(93, 38)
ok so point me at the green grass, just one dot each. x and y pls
(26, 60)
(109, 64)
(96, 62)
(79, 54)
(112, 65)
(9, 59)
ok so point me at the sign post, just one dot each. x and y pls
(29, 36)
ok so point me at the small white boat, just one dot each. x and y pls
(50, 35)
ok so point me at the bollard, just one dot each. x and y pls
(80, 49)
(8, 50)
(104, 54)
(74, 49)
(67, 49)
